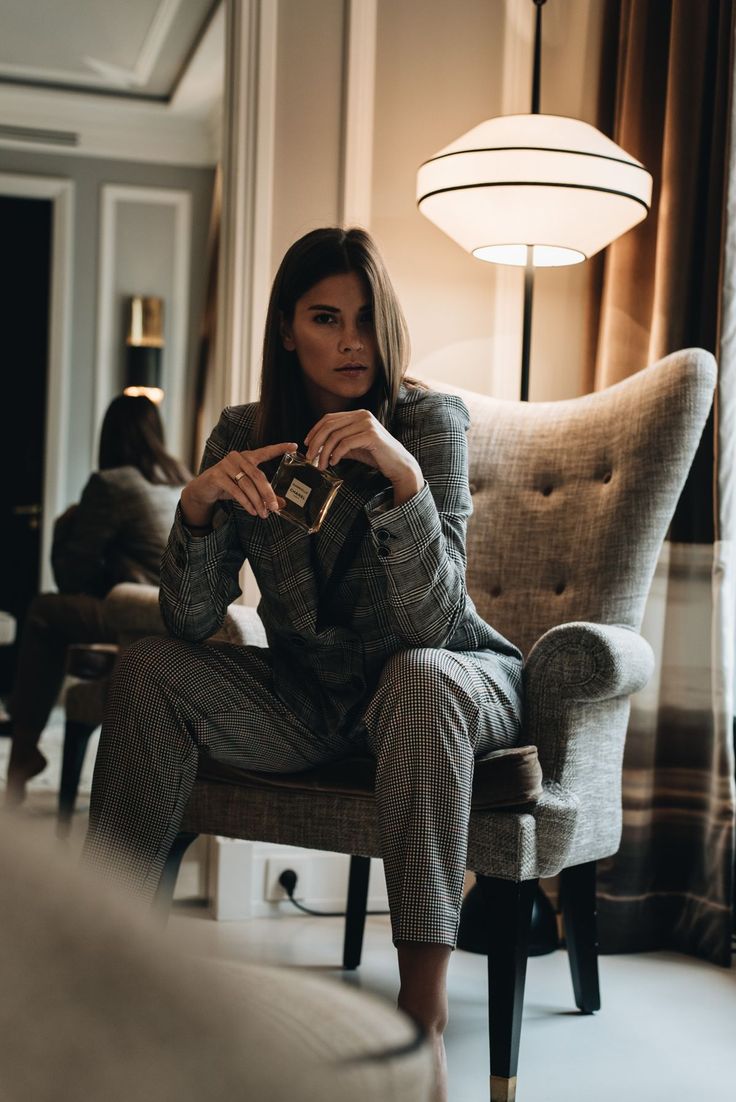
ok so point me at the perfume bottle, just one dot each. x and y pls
(307, 491)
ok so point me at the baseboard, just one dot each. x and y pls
(241, 872)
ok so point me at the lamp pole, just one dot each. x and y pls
(526, 336)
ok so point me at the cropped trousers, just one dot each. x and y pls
(432, 713)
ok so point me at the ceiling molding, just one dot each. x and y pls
(128, 130)
(151, 47)
(120, 79)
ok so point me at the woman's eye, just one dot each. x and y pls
(324, 319)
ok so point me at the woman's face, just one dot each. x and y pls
(333, 336)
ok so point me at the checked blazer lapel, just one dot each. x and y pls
(360, 483)
(290, 558)
(303, 565)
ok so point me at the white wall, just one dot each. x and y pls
(441, 69)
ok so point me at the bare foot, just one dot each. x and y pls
(21, 769)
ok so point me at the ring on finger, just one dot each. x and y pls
(237, 477)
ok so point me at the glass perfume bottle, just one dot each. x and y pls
(307, 491)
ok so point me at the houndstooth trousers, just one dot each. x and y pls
(432, 713)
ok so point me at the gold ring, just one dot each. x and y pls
(238, 476)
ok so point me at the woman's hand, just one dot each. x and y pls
(357, 434)
(235, 478)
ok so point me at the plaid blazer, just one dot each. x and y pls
(403, 586)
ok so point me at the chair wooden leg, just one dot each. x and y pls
(167, 883)
(509, 912)
(360, 868)
(76, 737)
(577, 888)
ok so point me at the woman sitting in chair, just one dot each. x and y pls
(373, 642)
(116, 533)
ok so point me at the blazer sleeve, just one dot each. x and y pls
(81, 541)
(199, 576)
(421, 544)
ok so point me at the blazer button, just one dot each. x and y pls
(384, 552)
(383, 534)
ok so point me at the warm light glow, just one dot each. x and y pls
(146, 322)
(555, 183)
(543, 256)
(155, 393)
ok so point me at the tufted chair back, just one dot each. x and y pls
(572, 499)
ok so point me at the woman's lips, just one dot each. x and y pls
(352, 370)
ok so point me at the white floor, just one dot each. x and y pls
(667, 1029)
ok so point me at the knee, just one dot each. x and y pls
(143, 663)
(425, 678)
(422, 701)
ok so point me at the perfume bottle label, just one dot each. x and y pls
(298, 492)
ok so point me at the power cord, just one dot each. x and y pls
(288, 879)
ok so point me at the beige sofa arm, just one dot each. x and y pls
(134, 612)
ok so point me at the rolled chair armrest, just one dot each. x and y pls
(577, 682)
(134, 612)
(589, 662)
(243, 626)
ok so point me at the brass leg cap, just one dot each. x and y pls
(503, 1090)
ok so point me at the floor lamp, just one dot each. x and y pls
(533, 191)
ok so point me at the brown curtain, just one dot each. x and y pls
(662, 285)
(208, 330)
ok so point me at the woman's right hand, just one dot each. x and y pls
(235, 478)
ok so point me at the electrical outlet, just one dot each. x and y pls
(273, 891)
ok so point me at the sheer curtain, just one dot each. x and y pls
(669, 284)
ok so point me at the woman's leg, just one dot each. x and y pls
(432, 712)
(169, 702)
(53, 621)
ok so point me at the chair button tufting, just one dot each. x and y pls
(473, 488)
(546, 490)
(560, 588)
(607, 476)
(496, 591)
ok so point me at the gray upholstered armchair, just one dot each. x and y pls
(572, 502)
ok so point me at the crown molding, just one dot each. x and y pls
(105, 128)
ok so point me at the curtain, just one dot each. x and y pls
(669, 284)
(204, 378)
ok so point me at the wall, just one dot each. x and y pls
(440, 70)
(438, 73)
(89, 174)
(308, 119)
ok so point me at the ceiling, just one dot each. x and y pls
(134, 49)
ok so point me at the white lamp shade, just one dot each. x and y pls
(547, 181)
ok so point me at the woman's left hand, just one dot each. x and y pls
(357, 434)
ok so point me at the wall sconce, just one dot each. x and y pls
(144, 347)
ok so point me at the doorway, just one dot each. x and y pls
(25, 285)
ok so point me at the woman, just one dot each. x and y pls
(116, 533)
(373, 642)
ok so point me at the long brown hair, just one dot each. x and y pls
(283, 406)
(132, 436)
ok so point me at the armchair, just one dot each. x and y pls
(572, 502)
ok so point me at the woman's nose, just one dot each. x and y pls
(351, 339)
